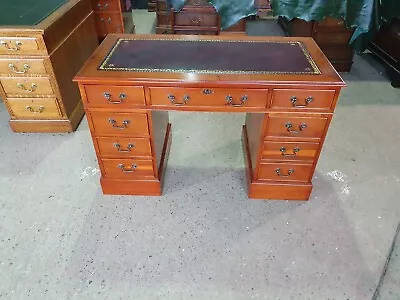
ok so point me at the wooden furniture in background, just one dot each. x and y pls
(152, 5)
(286, 86)
(263, 8)
(37, 64)
(331, 35)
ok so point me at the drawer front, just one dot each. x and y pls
(35, 108)
(108, 23)
(124, 147)
(208, 97)
(296, 127)
(27, 86)
(163, 18)
(18, 45)
(105, 5)
(285, 172)
(289, 151)
(22, 67)
(195, 32)
(327, 37)
(127, 168)
(114, 96)
(196, 19)
(134, 124)
(303, 99)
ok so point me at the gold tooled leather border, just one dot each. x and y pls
(104, 67)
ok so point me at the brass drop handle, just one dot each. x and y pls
(38, 111)
(196, 20)
(289, 173)
(185, 99)
(104, 6)
(121, 96)
(229, 99)
(207, 91)
(128, 170)
(122, 127)
(109, 19)
(128, 147)
(14, 69)
(17, 46)
(294, 99)
(295, 151)
(301, 127)
(23, 87)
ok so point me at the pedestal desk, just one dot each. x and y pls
(286, 86)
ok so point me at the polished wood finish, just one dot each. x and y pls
(268, 105)
(37, 64)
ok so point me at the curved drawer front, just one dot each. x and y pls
(19, 45)
(285, 172)
(208, 97)
(300, 151)
(296, 127)
(302, 99)
(114, 96)
(186, 18)
(124, 147)
(35, 108)
(127, 168)
(105, 123)
(22, 67)
(27, 86)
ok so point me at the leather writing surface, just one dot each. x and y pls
(209, 56)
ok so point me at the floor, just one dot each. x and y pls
(60, 238)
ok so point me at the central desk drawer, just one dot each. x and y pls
(207, 97)
(114, 96)
(27, 86)
(285, 172)
(127, 168)
(133, 124)
(124, 147)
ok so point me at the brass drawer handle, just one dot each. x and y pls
(17, 46)
(109, 20)
(128, 170)
(207, 91)
(38, 111)
(128, 147)
(295, 151)
(15, 70)
(122, 96)
(229, 99)
(301, 127)
(196, 20)
(122, 127)
(185, 99)
(294, 99)
(23, 87)
(289, 173)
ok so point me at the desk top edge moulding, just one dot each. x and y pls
(42, 46)
(288, 90)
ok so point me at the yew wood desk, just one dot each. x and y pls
(286, 86)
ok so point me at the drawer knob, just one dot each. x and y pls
(14, 69)
(23, 87)
(114, 124)
(128, 170)
(121, 96)
(185, 99)
(229, 99)
(128, 147)
(17, 46)
(301, 127)
(38, 111)
(295, 151)
(289, 173)
(294, 99)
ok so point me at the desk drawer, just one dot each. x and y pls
(114, 96)
(133, 124)
(188, 18)
(285, 172)
(108, 23)
(299, 151)
(208, 97)
(35, 108)
(22, 67)
(105, 5)
(296, 127)
(302, 99)
(124, 147)
(19, 45)
(127, 168)
(27, 86)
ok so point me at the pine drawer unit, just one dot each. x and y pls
(39, 55)
(286, 86)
